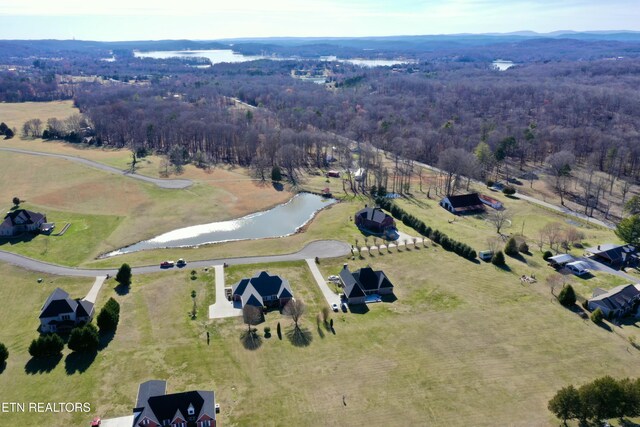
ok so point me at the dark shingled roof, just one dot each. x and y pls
(618, 297)
(23, 217)
(253, 301)
(58, 303)
(154, 404)
(365, 279)
(465, 200)
(372, 214)
(264, 285)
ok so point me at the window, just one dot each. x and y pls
(66, 317)
(191, 410)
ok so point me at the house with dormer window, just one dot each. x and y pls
(60, 313)
(155, 408)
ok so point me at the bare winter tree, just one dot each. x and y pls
(499, 219)
(457, 162)
(552, 233)
(295, 309)
(251, 316)
(560, 165)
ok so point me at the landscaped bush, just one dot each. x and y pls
(490, 183)
(509, 191)
(547, 255)
(109, 316)
(4, 354)
(498, 259)
(46, 346)
(597, 316)
(523, 248)
(567, 296)
(84, 338)
(511, 248)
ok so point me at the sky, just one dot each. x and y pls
(214, 19)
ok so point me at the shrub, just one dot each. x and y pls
(547, 255)
(4, 354)
(84, 339)
(567, 296)
(490, 183)
(498, 259)
(509, 191)
(46, 345)
(523, 248)
(597, 316)
(511, 248)
(123, 276)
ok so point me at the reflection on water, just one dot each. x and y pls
(282, 220)
(502, 65)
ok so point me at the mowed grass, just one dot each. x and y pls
(464, 344)
(121, 211)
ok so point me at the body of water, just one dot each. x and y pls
(217, 56)
(502, 65)
(282, 220)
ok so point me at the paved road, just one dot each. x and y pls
(162, 183)
(92, 296)
(320, 248)
(223, 307)
(329, 295)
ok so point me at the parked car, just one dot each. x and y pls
(334, 307)
(485, 255)
(181, 263)
(345, 307)
(167, 264)
(578, 268)
(96, 422)
(333, 278)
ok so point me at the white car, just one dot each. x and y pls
(578, 268)
(345, 307)
(334, 307)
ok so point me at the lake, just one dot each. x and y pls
(283, 220)
(502, 65)
(217, 56)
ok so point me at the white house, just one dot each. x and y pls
(61, 313)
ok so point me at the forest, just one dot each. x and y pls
(450, 108)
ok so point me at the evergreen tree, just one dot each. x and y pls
(567, 296)
(84, 339)
(597, 316)
(46, 346)
(629, 230)
(276, 174)
(124, 275)
(511, 248)
(498, 259)
(4, 354)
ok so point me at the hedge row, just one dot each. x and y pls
(417, 224)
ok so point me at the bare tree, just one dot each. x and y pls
(499, 219)
(294, 309)
(251, 316)
(560, 165)
(553, 232)
(456, 162)
(494, 244)
(572, 236)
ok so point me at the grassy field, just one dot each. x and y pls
(473, 347)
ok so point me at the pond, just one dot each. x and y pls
(283, 220)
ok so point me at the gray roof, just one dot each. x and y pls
(561, 259)
(154, 404)
(618, 297)
(22, 217)
(59, 303)
(365, 279)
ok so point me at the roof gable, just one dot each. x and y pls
(58, 303)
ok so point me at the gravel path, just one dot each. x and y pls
(162, 183)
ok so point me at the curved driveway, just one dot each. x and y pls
(162, 183)
(320, 248)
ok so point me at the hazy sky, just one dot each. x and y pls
(213, 19)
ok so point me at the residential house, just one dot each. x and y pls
(614, 255)
(618, 302)
(21, 221)
(155, 408)
(375, 221)
(362, 283)
(463, 204)
(262, 290)
(60, 313)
